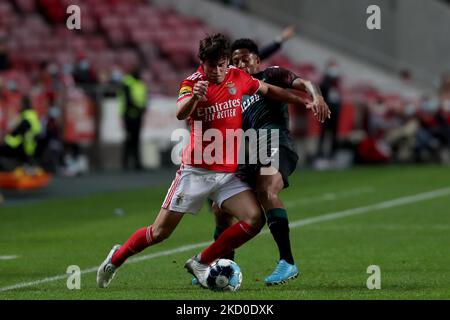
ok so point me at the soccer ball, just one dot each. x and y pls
(224, 275)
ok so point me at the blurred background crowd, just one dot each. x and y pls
(91, 87)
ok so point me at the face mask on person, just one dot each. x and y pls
(67, 68)
(11, 85)
(53, 69)
(333, 72)
(409, 111)
(430, 105)
(84, 64)
(116, 76)
(54, 112)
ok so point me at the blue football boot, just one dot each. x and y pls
(282, 273)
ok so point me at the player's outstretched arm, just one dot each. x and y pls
(187, 106)
(280, 94)
(272, 48)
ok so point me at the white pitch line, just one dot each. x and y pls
(299, 223)
(94, 269)
(8, 257)
(330, 196)
(374, 207)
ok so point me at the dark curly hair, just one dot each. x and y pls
(214, 47)
(248, 44)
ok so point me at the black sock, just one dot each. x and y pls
(279, 227)
(217, 233)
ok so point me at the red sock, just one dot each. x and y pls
(232, 238)
(138, 241)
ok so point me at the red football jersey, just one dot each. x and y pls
(221, 111)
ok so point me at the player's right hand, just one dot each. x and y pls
(200, 89)
(320, 109)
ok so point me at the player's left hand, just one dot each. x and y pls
(320, 109)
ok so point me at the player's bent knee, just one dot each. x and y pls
(266, 196)
(224, 219)
(255, 221)
(160, 234)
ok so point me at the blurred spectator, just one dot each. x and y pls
(406, 75)
(11, 85)
(75, 161)
(83, 73)
(402, 138)
(444, 90)
(331, 91)
(428, 135)
(374, 148)
(48, 80)
(372, 151)
(113, 84)
(4, 59)
(133, 103)
(444, 127)
(51, 145)
(85, 77)
(20, 144)
(67, 79)
(382, 119)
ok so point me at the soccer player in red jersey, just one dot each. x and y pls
(210, 99)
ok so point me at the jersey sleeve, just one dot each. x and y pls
(250, 84)
(280, 77)
(186, 90)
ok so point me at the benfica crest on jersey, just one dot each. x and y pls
(231, 88)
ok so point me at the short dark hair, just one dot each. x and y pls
(214, 47)
(248, 44)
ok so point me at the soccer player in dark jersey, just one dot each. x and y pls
(262, 113)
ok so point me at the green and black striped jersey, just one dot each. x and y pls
(261, 113)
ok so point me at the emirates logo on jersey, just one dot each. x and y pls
(219, 110)
(231, 87)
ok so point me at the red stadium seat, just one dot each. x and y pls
(110, 22)
(96, 43)
(89, 24)
(114, 33)
(5, 8)
(117, 36)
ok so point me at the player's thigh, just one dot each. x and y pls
(221, 216)
(189, 191)
(165, 223)
(276, 178)
(269, 183)
(267, 189)
(245, 207)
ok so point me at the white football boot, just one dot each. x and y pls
(197, 269)
(107, 270)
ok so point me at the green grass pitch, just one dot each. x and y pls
(342, 222)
